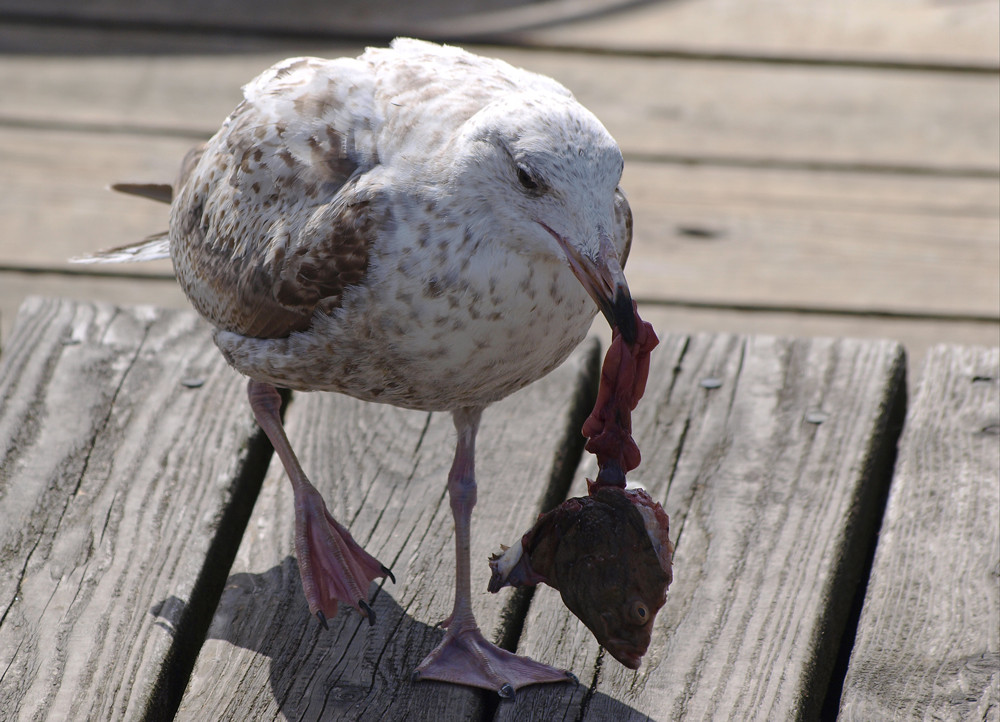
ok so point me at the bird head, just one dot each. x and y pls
(558, 170)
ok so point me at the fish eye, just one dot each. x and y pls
(639, 612)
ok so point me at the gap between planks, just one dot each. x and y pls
(115, 512)
(654, 108)
(773, 515)
(709, 160)
(433, 442)
(688, 31)
(928, 643)
(382, 472)
(721, 238)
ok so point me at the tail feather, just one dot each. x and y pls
(162, 192)
(151, 248)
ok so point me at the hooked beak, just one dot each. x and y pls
(604, 281)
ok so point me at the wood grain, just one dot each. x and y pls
(15, 288)
(928, 642)
(126, 459)
(815, 241)
(653, 106)
(771, 477)
(382, 472)
(726, 236)
(917, 33)
(920, 32)
(357, 18)
(55, 201)
(915, 334)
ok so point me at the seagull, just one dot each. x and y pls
(418, 226)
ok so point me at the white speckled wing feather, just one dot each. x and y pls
(304, 98)
(269, 223)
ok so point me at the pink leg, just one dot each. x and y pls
(334, 568)
(464, 655)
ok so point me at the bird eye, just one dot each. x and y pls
(526, 180)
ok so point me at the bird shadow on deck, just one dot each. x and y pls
(350, 671)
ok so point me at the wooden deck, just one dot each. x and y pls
(806, 182)
(793, 170)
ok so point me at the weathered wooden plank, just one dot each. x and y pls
(365, 18)
(853, 31)
(383, 472)
(59, 38)
(737, 236)
(770, 456)
(16, 287)
(817, 241)
(928, 642)
(55, 203)
(127, 456)
(856, 30)
(916, 335)
(653, 106)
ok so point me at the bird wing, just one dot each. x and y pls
(162, 192)
(151, 248)
(271, 223)
(156, 246)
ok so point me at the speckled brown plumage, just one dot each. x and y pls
(247, 268)
(340, 238)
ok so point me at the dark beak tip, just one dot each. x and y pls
(623, 315)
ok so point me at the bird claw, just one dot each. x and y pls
(369, 612)
(366, 609)
(333, 566)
